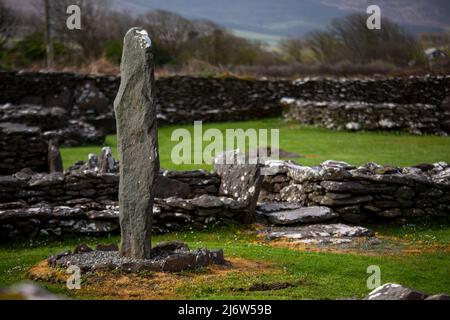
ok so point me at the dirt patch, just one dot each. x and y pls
(263, 286)
(146, 286)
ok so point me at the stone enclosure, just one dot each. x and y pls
(83, 199)
(76, 109)
(416, 104)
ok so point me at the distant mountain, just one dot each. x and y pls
(270, 20)
(274, 18)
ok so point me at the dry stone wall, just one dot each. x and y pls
(366, 193)
(82, 200)
(21, 147)
(426, 90)
(53, 122)
(416, 105)
(355, 116)
(183, 99)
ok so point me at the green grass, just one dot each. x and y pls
(317, 275)
(315, 145)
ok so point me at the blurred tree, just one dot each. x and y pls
(50, 52)
(8, 18)
(391, 43)
(292, 49)
(95, 25)
(325, 47)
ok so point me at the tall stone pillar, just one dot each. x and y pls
(137, 140)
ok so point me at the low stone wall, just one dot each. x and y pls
(410, 90)
(62, 188)
(179, 99)
(355, 116)
(85, 201)
(367, 193)
(185, 99)
(419, 105)
(21, 146)
(54, 123)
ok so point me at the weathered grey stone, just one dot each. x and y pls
(391, 291)
(167, 187)
(46, 179)
(55, 163)
(168, 247)
(207, 202)
(441, 296)
(301, 215)
(268, 207)
(106, 162)
(82, 248)
(93, 226)
(355, 187)
(137, 139)
(294, 193)
(330, 200)
(301, 174)
(240, 180)
(320, 232)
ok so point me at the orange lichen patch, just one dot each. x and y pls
(42, 272)
(147, 285)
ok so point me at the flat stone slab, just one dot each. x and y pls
(172, 256)
(392, 291)
(300, 215)
(319, 233)
(268, 207)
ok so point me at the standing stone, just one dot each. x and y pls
(137, 139)
(106, 161)
(55, 163)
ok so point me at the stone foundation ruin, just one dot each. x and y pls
(296, 202)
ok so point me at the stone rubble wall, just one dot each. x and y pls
(179, 99)
(53, 122)
(85, 201)
(355, 116)
(21, 147)
(418, 105)
(411, 90)
(366, 193)
(183, 99)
